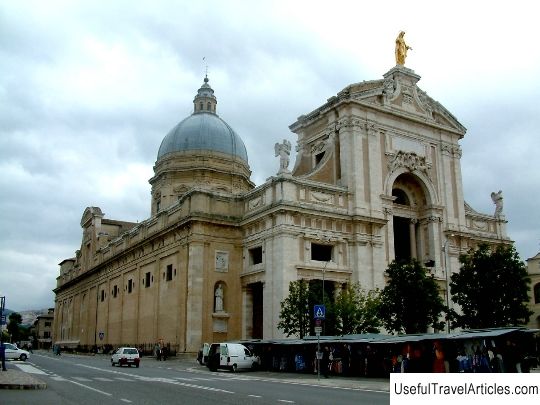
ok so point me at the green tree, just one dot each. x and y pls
(491, 288)
(357, 310)
(13, 327)
(410, 302)
(294, 315)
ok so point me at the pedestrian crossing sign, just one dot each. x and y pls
(319, 311)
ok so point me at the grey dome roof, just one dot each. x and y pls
(203, 131)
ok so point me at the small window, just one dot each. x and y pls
(255, 255)
(169, 272)
(200, 106)
(130, 286)
(322, 253)
(318, 158)
(401, 197)
(102, 295)
(158, 205)
(47, 324)
(209, 107)
(537, 293)
(115, 291)
(147, 280)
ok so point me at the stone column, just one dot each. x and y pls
(247, 313)
(194, 287)
(412, 234)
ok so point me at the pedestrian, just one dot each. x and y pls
(325, 361)
(30, 347)
(157, 351)
(164, 353)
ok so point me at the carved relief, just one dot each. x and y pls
(408, 160)
(322, 197)
(254, 203)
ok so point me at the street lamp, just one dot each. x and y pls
(446, 271)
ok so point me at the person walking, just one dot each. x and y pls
(325, 361)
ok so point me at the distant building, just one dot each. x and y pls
(533, 267)
(377, 177)
(43, 327)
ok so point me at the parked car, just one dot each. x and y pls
(14, 353)
(125, 355)
(230, 356)
(202, 356)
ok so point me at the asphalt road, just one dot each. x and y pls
(73, 379)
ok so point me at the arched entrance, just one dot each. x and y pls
(412, 236)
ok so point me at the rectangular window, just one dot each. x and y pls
(102, 295)
(169, 272)
(47, 324)
(147, 280)
(115, 291)
(255, 255)
(130, 286)
(46, 334)
(322, 253)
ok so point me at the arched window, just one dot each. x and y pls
(209, 106)
(200, 106)
(537, 293)
(401, 197)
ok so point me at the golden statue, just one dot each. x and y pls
(401, 49)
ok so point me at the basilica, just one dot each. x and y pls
(376, 177)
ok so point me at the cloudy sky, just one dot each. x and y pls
(88, 89)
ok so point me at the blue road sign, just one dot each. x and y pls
(319, 311)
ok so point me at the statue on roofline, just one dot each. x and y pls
(401, 49)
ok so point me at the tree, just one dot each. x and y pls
(295, 315)
(491, 288)
(411, 301)
(357, 310)
(13, 327)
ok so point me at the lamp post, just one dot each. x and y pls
(446, 272)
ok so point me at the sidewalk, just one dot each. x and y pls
(370, 384)
(14, 379)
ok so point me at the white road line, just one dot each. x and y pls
(90, 388)
(124, 379)
(125, 400)
(58, 378)
(255, 396)
(286, 401)
(27, 368)
(102, 379)
(82, 379)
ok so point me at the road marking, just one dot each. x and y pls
(102, 379)
(82, 379)
(90, 388)
(255, 396)
(286, 401)
(124, 379)
(125, 400)
(27, 368)
(58, 378)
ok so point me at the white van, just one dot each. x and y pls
(230, 356)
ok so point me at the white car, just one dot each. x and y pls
(14, 353)
(125, 355)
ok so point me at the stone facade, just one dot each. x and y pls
(533, 267)
(377, 177)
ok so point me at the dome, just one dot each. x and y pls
(203, 130)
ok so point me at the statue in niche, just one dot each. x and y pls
(497, 199)
(283, 150)
(401, 49)
(218, 298)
